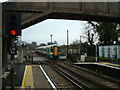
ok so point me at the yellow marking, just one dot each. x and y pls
(27, 78)
(55, 51)
(110, 64)
(24, 77)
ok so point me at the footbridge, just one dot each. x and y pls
(34, 12)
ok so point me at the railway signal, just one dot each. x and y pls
(13, 24)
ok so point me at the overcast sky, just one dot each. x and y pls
(41, 32)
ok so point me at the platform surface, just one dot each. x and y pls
(111, 65)
(34, 78)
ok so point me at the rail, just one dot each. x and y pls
(73, 74)
(54, 86)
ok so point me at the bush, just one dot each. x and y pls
(72, 57)
(90, 59)
(105, 59)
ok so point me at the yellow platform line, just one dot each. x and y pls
(27, 81)
(110, 64)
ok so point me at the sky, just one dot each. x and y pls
(41, 32)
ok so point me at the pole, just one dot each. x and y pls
(20, 56)
(80, 45)
(80, 48)
(12, 66)
(96, 52)
(51, 38)
(67, 43)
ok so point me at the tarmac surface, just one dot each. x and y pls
(40, 80)
(19, 72)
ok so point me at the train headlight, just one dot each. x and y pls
(51, 53)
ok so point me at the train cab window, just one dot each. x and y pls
(52, 49)
(47, 49)
(59, 49)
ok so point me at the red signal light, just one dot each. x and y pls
(13, 32)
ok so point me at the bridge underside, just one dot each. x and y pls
(34, 12)
(71, 16)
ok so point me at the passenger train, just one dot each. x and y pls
(50, 51)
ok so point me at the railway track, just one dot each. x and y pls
(59, 81)
(83, 78)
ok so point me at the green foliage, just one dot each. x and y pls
(73, 57)
(102, 59)
(105, 59)
(90, 59)
(107, 32)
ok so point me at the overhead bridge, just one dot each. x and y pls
(34, 12)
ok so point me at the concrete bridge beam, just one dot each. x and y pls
(34, 12)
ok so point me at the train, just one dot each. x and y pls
(51, 51)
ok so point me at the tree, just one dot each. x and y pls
(42, 44)
(50, 43)
(55, 42)
(90, 34)
(108, 32)
(34, 44)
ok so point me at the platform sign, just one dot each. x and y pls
(13, 51)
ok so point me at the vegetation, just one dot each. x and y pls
(108, 33)
(101, 33)
(109, 59)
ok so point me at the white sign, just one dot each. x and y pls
(13, 51)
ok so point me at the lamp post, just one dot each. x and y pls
(96, 52)
(67, 43)
(80, 49)
(51, 38)
(80, 45)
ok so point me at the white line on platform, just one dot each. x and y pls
(108, 66)
(51, 83)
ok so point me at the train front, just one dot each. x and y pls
(55, 52)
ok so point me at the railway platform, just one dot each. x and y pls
(34, 77)
(110, 64)
(106, 64)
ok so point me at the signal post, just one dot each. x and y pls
(13, 30)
